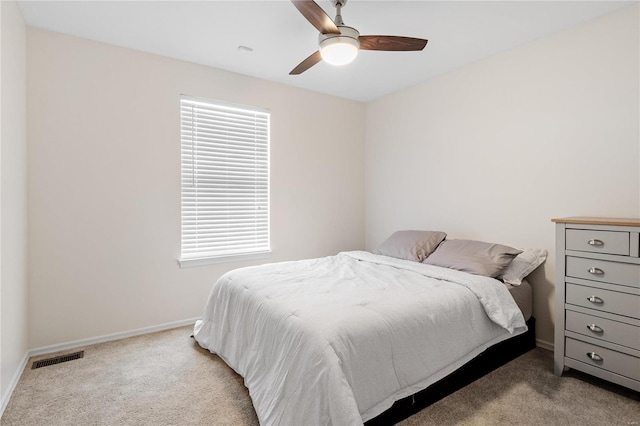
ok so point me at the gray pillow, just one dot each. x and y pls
(411, 245)
(474, 257)
(523, 265)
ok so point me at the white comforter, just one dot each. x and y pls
(337, 340)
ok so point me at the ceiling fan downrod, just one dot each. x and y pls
(338, 4)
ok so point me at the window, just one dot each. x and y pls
(225, 181)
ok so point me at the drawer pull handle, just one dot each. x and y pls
(595, 242)
(595, 328)
(594, 356)
(596, 271)
(595, 299)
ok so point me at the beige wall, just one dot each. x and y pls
(13, 197)
(104, 183)
(494, 150)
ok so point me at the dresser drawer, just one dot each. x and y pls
(610, 242)
(607, 359)
(603, 329)
(603, 300)
(604, 271)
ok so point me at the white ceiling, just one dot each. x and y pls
(209, 33)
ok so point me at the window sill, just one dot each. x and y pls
(202, 261)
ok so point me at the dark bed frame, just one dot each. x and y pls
(492, 358)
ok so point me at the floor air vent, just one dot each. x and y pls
(57, 360)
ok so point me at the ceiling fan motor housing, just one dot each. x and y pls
(339, 49)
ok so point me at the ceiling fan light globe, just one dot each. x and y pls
(340, 49)
(339, 52)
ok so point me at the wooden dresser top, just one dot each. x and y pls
(598, 221)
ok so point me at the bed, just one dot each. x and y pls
(357, 337)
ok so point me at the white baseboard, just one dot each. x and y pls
(13, 383)
(544, 344)
(109, 337)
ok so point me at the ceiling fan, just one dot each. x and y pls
(339, 44)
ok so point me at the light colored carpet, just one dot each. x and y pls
(167, 379)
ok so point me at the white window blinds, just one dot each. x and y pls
(225, 179)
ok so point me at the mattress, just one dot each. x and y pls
(522, 295)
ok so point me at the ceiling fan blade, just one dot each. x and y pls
(313, 59)
(316, 16)
(391, 43)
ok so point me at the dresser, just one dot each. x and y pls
(597, 327)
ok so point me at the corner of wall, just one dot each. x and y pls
(13, 200)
